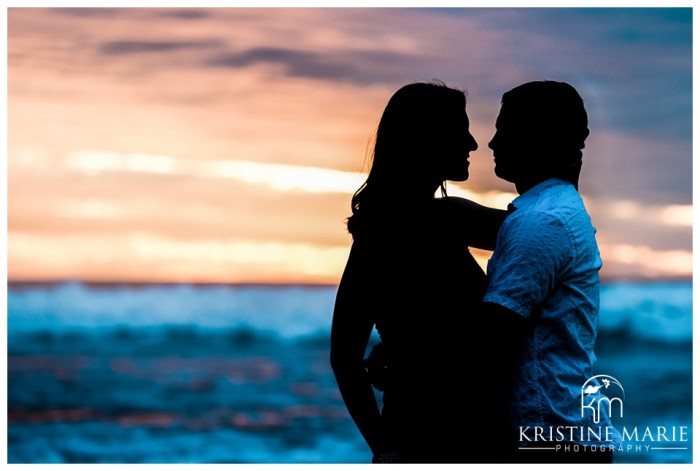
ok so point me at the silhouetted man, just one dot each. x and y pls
(541, 304)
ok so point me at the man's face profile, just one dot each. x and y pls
(509, 144)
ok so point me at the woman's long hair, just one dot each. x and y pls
(407, 136)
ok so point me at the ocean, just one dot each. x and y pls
(240, 374)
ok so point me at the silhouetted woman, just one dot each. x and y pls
(410, 274)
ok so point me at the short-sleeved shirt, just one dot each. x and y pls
(545, 268)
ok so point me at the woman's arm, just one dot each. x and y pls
(350, 332)
(477, 224)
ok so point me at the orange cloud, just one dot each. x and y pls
(205, 131)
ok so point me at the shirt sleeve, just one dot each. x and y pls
(531, 253)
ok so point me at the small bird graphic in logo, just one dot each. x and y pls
(590, 389)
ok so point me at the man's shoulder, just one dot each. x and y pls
(533, 227)
(553, 200)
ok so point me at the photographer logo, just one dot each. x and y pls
(602, 394)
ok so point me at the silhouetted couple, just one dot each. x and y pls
(466, 360)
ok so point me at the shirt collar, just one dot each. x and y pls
(533, 193)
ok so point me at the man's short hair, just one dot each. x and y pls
(554, 110)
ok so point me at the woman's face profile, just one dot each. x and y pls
(454, 143)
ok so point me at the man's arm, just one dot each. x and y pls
(532, 251)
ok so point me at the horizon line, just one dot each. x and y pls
(28, 283)
(139, 283)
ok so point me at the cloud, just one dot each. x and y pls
(120, 48)
(636, 63)
(672, 215)
(640, 261)
(363, 68)
(485, 50)
(296, 63)
(189, 14)
(648, 169)
(277, 177)
(230, 118)
(171, 259)
(80, 12)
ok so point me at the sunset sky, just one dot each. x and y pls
(223, 145)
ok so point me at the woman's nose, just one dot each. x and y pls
(473, 145)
